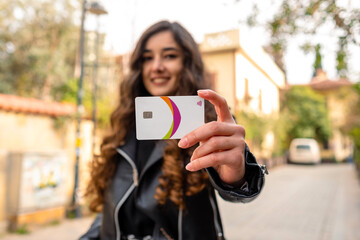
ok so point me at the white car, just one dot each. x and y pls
(304, 150)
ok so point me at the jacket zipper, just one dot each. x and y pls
(180, 224)
(219, 233)
(128, 192)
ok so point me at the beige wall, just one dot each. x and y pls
(33, 133)
(36, 133)
(2, 190)
(222, 66)
(262, 90)
(338, 102)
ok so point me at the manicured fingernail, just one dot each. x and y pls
(189, 166)
(183, 143)
(204, 92)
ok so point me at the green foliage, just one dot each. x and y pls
(256, 125)
(356, 87)
(104, 110)
(306, 18)
(23, 229)
(54, 223)
(306, 114)
(37, 46)
(318, 59)
(67, 92)
(353, 124)
(303, 114)
(280, 128)
(341, 59)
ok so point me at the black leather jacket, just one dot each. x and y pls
(200, 220)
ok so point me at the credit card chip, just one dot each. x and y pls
(147, 115)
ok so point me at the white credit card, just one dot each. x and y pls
(169, 117)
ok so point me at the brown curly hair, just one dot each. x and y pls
(175, 182)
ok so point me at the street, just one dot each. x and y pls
(298, 202)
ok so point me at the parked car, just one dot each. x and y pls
(304, 150)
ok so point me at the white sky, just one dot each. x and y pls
(127, 19)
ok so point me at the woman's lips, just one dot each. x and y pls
(160, 81)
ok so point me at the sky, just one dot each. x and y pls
(126, 20)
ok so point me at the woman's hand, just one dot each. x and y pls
(222, 143)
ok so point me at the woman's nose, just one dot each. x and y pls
(157, 64)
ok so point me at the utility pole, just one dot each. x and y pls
(75, 210)
(97, 9)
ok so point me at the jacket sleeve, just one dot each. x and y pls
(254, 181)
(94, 231)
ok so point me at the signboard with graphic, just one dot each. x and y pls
(37, 181)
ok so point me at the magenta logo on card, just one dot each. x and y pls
(176, 117)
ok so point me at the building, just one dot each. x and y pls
(242, 72)
(338, 95)
(37, 156)
(245, 75)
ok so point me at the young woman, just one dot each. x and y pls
(165, 189)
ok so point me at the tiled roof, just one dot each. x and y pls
(35, 106)
(328, 84)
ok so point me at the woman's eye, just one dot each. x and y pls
(170, 56)
(146, 58)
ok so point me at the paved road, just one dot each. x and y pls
(298, 202)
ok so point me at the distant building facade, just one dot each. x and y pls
(246, 76)
(337, 94)
(242, 72)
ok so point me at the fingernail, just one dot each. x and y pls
(204, 92)
(189, 166)
(183, 143)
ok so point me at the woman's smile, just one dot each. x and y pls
(160, 80)
(162, 64)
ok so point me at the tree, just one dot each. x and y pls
(318, 59)
(307, 18)
(352, 125)
(306, 114)
(256, 126)
(37, 46)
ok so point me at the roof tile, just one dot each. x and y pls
(14, 103)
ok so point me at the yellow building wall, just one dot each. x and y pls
(36, 133)
(221, 65)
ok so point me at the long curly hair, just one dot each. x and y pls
(175, 182)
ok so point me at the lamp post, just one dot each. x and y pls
(95, 8)
(98, 10)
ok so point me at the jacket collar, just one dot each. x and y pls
(130, 149)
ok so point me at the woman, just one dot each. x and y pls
(165, 189)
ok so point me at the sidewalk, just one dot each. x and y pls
(69, 229)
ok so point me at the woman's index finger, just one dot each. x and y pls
(220, 104)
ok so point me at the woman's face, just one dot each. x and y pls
(162, 64)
